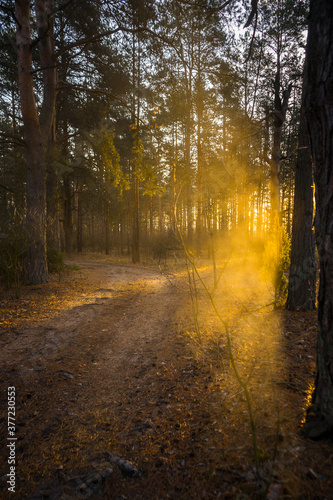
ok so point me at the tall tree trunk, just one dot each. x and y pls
(318, 102)
(36, 129)
(136, 145)
(135, 222)
(67, 216)
(52, 194)
(107, 214)
(79, 229)
(302, 277)
(200, 111)
(18, 191)
(279, 116)
(187, 154)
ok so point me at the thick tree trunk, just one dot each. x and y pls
(302, 277)
(35, 265)
(318, 102)
(36, 130)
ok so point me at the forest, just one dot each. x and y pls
(166, 209)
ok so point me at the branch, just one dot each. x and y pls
(6, 188)
(66, 137)
(95, 38)
(99, 92)
(85, 41)
(291, 154)
(63, 6)
(254, 12)
(215, 11)
(14, 139)
(169, 42)
(12, 13)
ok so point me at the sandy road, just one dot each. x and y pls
(105, 375)
(128, 309)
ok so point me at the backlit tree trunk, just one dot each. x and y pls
(37, 129)
(318, 101)
(302, 277)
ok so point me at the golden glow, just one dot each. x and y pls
(307, 401)
(239, 315)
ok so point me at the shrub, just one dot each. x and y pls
(276, 260)
(12, 251)
(55, 261)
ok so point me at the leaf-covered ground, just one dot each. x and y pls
(119, 396)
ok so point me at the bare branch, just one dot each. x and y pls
(95, 38)
(12, 139)
(85, 41)
(254, 12)
(98, 92)
(223, 6)
(6, 188)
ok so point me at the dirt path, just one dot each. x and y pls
(105, 376)
(112, 402)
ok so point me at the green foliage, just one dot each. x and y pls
(111, 161)
(55, 261)
(110, 168)
(144, 170)
(276, 260)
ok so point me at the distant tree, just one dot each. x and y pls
(282, 23)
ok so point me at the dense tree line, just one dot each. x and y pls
(148, 113)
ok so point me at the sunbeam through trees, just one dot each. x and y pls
(191, 140)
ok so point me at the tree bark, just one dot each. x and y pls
(67, 216)
(36, 130)
(279, 116)
(52, 197)
(79, 229)
(135, 222)
(318, 102)
(302, 276)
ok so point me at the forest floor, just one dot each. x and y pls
(119, 396)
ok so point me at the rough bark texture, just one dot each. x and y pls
(36, 130)
(35, 265)
(302, 276)
(318, 101)
(67, 215)
(135, 222)
(279, 116)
